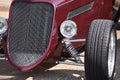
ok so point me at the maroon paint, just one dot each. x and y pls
(61, 10)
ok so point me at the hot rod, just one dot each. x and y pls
(49, 32)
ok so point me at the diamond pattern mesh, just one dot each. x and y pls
(30, 28)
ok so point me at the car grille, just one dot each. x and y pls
(30, 29)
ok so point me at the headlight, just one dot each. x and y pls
(68, 29)
(3, 25)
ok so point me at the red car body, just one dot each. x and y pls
(62, 10)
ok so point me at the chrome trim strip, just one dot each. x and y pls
(74, 40)
(80, 10)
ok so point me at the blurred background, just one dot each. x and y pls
(4, 7)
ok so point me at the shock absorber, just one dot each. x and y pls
(72, 51)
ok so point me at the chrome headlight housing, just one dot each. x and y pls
(3, 25)
(68, 29)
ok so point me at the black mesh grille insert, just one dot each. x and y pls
(30, 28)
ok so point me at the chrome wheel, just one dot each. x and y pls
(111, 54)
(100, 52)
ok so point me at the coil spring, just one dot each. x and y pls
(72, 51)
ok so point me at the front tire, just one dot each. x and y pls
(100, 53)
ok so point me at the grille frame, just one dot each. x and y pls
(40, 58)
